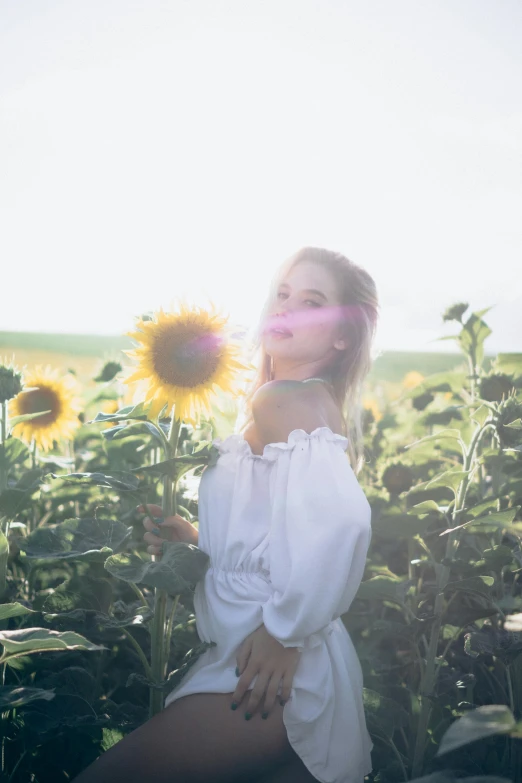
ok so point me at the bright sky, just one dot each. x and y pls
(156, 147)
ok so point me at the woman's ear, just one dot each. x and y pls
(340, 344)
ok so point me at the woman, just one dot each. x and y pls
(287, 528)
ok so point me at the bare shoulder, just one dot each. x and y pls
(278, 407)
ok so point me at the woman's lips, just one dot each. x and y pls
(275, 332)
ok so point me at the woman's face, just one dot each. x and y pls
(308, 315)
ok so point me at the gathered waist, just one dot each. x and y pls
(264, 573)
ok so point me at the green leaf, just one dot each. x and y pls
(119, 480)
(384, 715)
(494, 559)
(4, 554)
(110, 737)
(12, 500)
(13, 610)
(180, 567)
(14, 451)
(473, 334)
(448, 434)
(384, 588)
(175, 467)
(32, 640)
(189, 660)
(450, 479)
(501, 643)
(139, 412)
(481, 414)
(480, 508)
(85, 539)
(498, 520)
(137, 428)
(426, 507)
(393, 526)
(473, 584)
(17, 696)
(26, 417)
(480, 723)
(80, 592)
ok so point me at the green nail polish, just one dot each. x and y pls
(237, 671)
(247, 716)
(233, 706)
(282, 702)
(264, 715)
(156, 532)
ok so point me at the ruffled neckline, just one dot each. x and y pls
(236, 443)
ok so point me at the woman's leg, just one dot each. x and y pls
(196, 739)
(293, 771)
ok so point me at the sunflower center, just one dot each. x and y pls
(41, 399)
(186, 355)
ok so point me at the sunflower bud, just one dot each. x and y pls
(509, 413)
(496, 386)
(109, 371)
(455, 312)
(398, 478)
(10, 382)
(422, 401)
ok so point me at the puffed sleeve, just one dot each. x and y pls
(320, 532)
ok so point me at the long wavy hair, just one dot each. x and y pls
(357, 292)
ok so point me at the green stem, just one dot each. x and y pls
(431, 671)
(399, 758)
(158, 651)
(3, 436)
(4, 526)
(139, 593)
(168, 634)
(139, 650)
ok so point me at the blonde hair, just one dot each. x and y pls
(358, 295)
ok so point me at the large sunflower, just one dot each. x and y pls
(185, 356)
(53, 392)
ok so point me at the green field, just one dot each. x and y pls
(86, 352)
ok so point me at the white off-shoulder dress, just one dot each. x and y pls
(287, 533)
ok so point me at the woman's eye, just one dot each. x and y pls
(315, 304)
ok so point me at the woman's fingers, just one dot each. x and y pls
(271, 694)
(258, 691)
(243, 655)
(153, 540)
(149, 524)
(286, 684)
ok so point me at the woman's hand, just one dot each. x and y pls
(263, 655)
(173, 528)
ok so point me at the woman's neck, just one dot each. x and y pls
(304, 373)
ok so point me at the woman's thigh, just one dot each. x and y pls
(196, 739)
(293, 771)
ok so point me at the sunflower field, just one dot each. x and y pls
(95, 631)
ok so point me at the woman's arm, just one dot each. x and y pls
(320, 518)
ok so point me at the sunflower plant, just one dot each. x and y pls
(185, 358)
(40, 407)
(46, 409)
